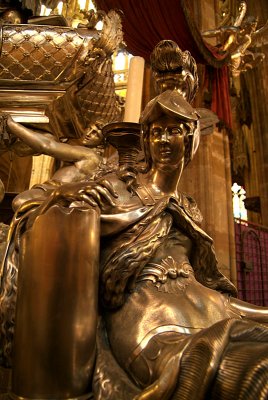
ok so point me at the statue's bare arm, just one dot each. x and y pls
(45, 144)
(218, 32)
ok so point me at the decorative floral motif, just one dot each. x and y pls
(169, 276)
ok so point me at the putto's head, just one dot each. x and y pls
(93, 136)
(250, 23)
(171, 130)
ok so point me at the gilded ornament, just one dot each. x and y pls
(119, 291)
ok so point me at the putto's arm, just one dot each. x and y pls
(45, 144)
(220, 31)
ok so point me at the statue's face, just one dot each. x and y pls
(250, 27)
(93, 137)
(167, 142)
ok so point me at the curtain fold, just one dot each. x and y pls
(145, 23)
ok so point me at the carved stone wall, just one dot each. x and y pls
(15, 172)
(257, 81)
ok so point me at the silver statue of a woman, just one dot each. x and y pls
(171, 326)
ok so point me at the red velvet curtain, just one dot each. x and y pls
(146, 22)
(220, 95)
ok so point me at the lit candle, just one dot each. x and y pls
(45, 11)
(82, 4)
(60, 7)
(134, 90)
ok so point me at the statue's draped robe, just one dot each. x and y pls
(227, 360)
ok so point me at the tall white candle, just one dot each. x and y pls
(82, 4)
(60, 7)
(134, 90)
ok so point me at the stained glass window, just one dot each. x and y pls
(239, 194)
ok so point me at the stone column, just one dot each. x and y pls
(208, 180)
(42, 167)
(257, 82)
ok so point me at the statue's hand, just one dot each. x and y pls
(96, 194)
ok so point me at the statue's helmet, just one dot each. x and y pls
(174, 69)
(173, 104)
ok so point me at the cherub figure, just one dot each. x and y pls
(78, 161)
(235, 41)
